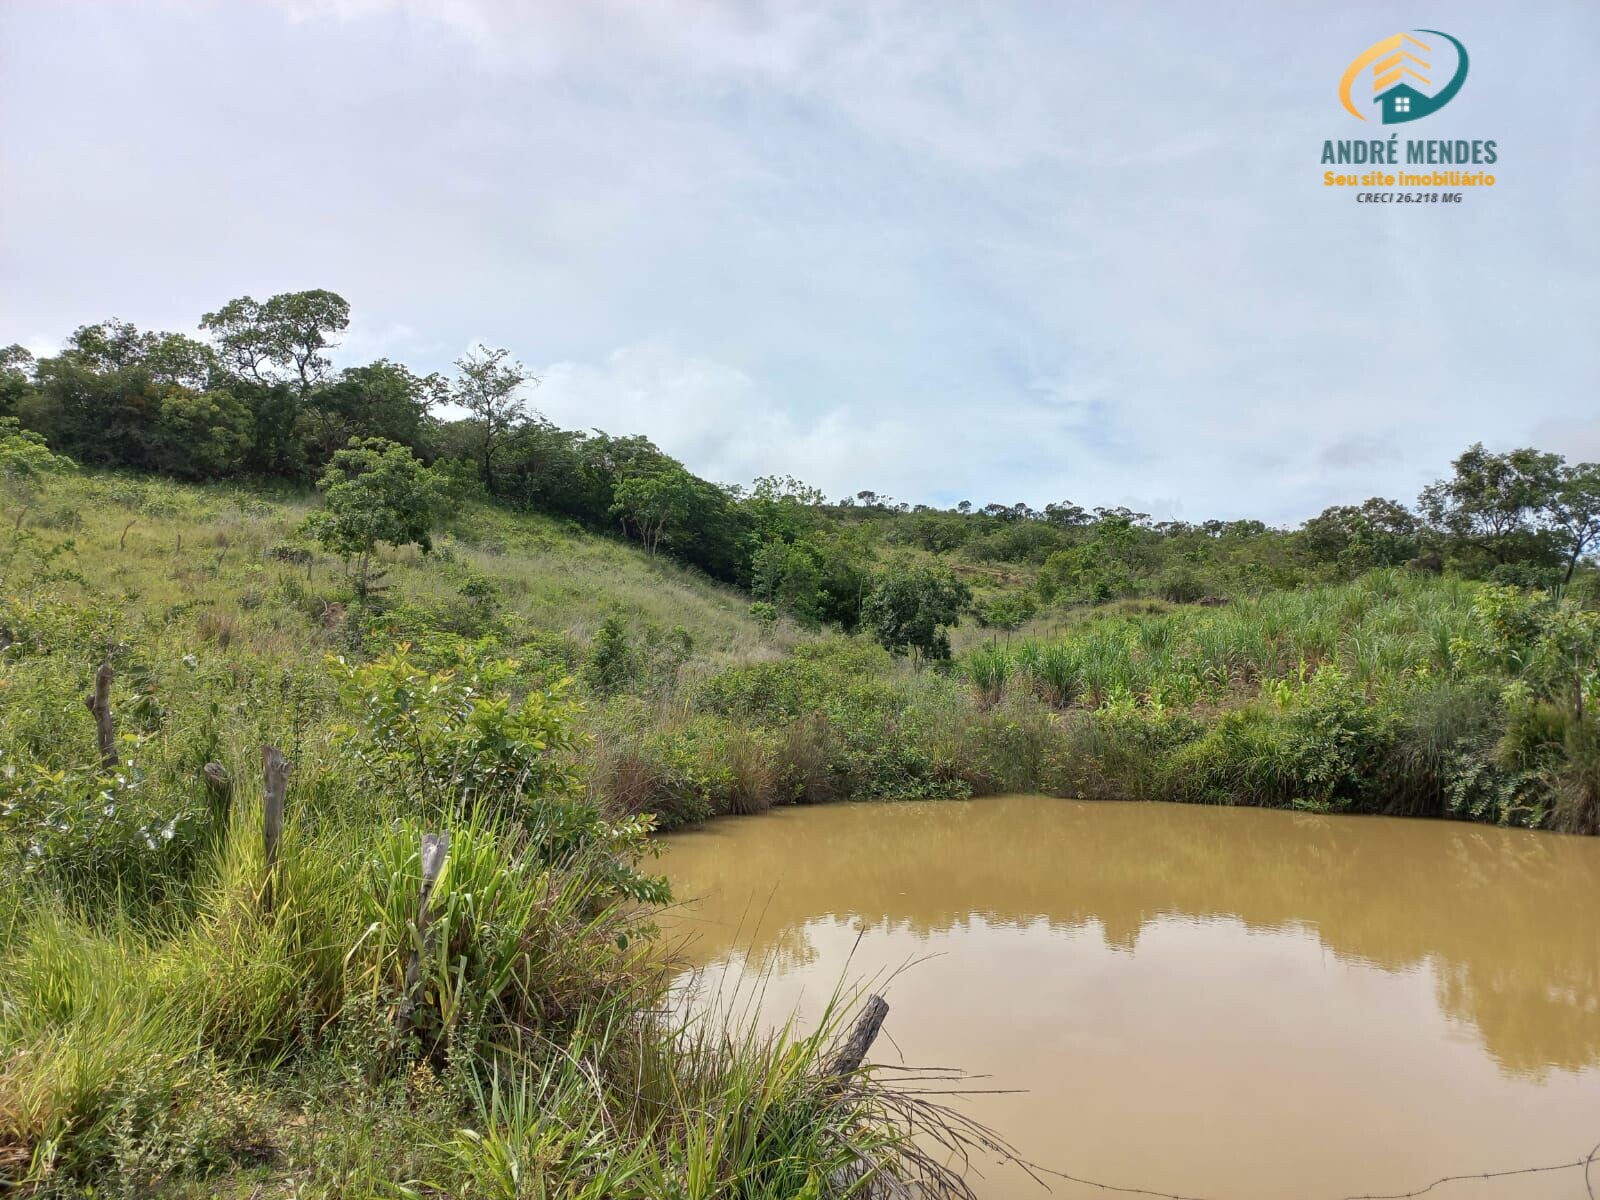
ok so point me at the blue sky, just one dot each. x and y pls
(1036, 251)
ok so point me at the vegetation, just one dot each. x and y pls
(261, 400)
(585, 644)
(375, 491)
(169, 1030)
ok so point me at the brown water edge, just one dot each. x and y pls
(1231, 1003)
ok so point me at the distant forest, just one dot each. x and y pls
(256, 396)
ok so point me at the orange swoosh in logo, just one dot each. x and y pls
(1395, 65)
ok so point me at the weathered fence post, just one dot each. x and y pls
(860, 1178)
(275, 768)
(98, 702)
(853, 1050)
(220, 790)
(434, 848)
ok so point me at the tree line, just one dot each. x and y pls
(255, 394)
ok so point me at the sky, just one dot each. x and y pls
(1036, 251)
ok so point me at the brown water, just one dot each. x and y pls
(1227, 1003)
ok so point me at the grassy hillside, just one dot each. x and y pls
(143, 547)
(546, 696)
(178, 1019)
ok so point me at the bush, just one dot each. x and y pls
(97, 835)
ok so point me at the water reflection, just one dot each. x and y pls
(1504, 920)
(1219, 1002)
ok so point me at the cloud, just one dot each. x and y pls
(1577, 438)
(728, 427)
(1029, 252)
(1358, 450)
(714, 417)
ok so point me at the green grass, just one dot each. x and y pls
(164, 1032)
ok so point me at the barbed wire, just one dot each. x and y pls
(1586, 1163)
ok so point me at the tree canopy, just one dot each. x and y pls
(375, 491)
(258, 394)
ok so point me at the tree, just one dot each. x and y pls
(780, 507)
(168, 358)
(1007, 612)
(488, 388)
(1065, 514)
(1574, 511)
(650, 502)
(911, 608)
(25, 461)
(200, 435)
(276, 352)
(16, 377)
(375, 491)
(1377, 533)
(1087, 572)
(788, 575)
(542, 466)
(282, 339)
(1490, 500)
(100, 399)
(382, 399)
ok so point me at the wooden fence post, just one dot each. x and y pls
(434, 848)
(853, 1051)
(219, 788)
(275, 768)
(859, 1178)
(98, 702)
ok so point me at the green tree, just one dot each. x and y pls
(100, 399)
(375, 491)
(489, 387)
(276, 351)
(25, 461)
(543, 466)
(283, 339)
(1095, 570)
(911, 610)
(1007, 612)
(1376, 533)
(787, 574)
(780, 507)
(1573, 510)
(200, 435)
(16, 377)
(382, 399)
(652, 502)
(1490, 502)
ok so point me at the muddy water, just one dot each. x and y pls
(1226, 1003)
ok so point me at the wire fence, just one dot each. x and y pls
(1586, 1164)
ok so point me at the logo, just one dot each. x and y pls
(1392, 61)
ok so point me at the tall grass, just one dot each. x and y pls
(163, 1031)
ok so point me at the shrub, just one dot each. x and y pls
(612, 664)
(452, 740)
(96, 835)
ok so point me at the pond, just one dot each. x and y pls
(1229, 1003)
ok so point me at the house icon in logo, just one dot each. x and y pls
(1396, 61)
(1402, 103)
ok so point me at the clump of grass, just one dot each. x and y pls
(987, 668)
